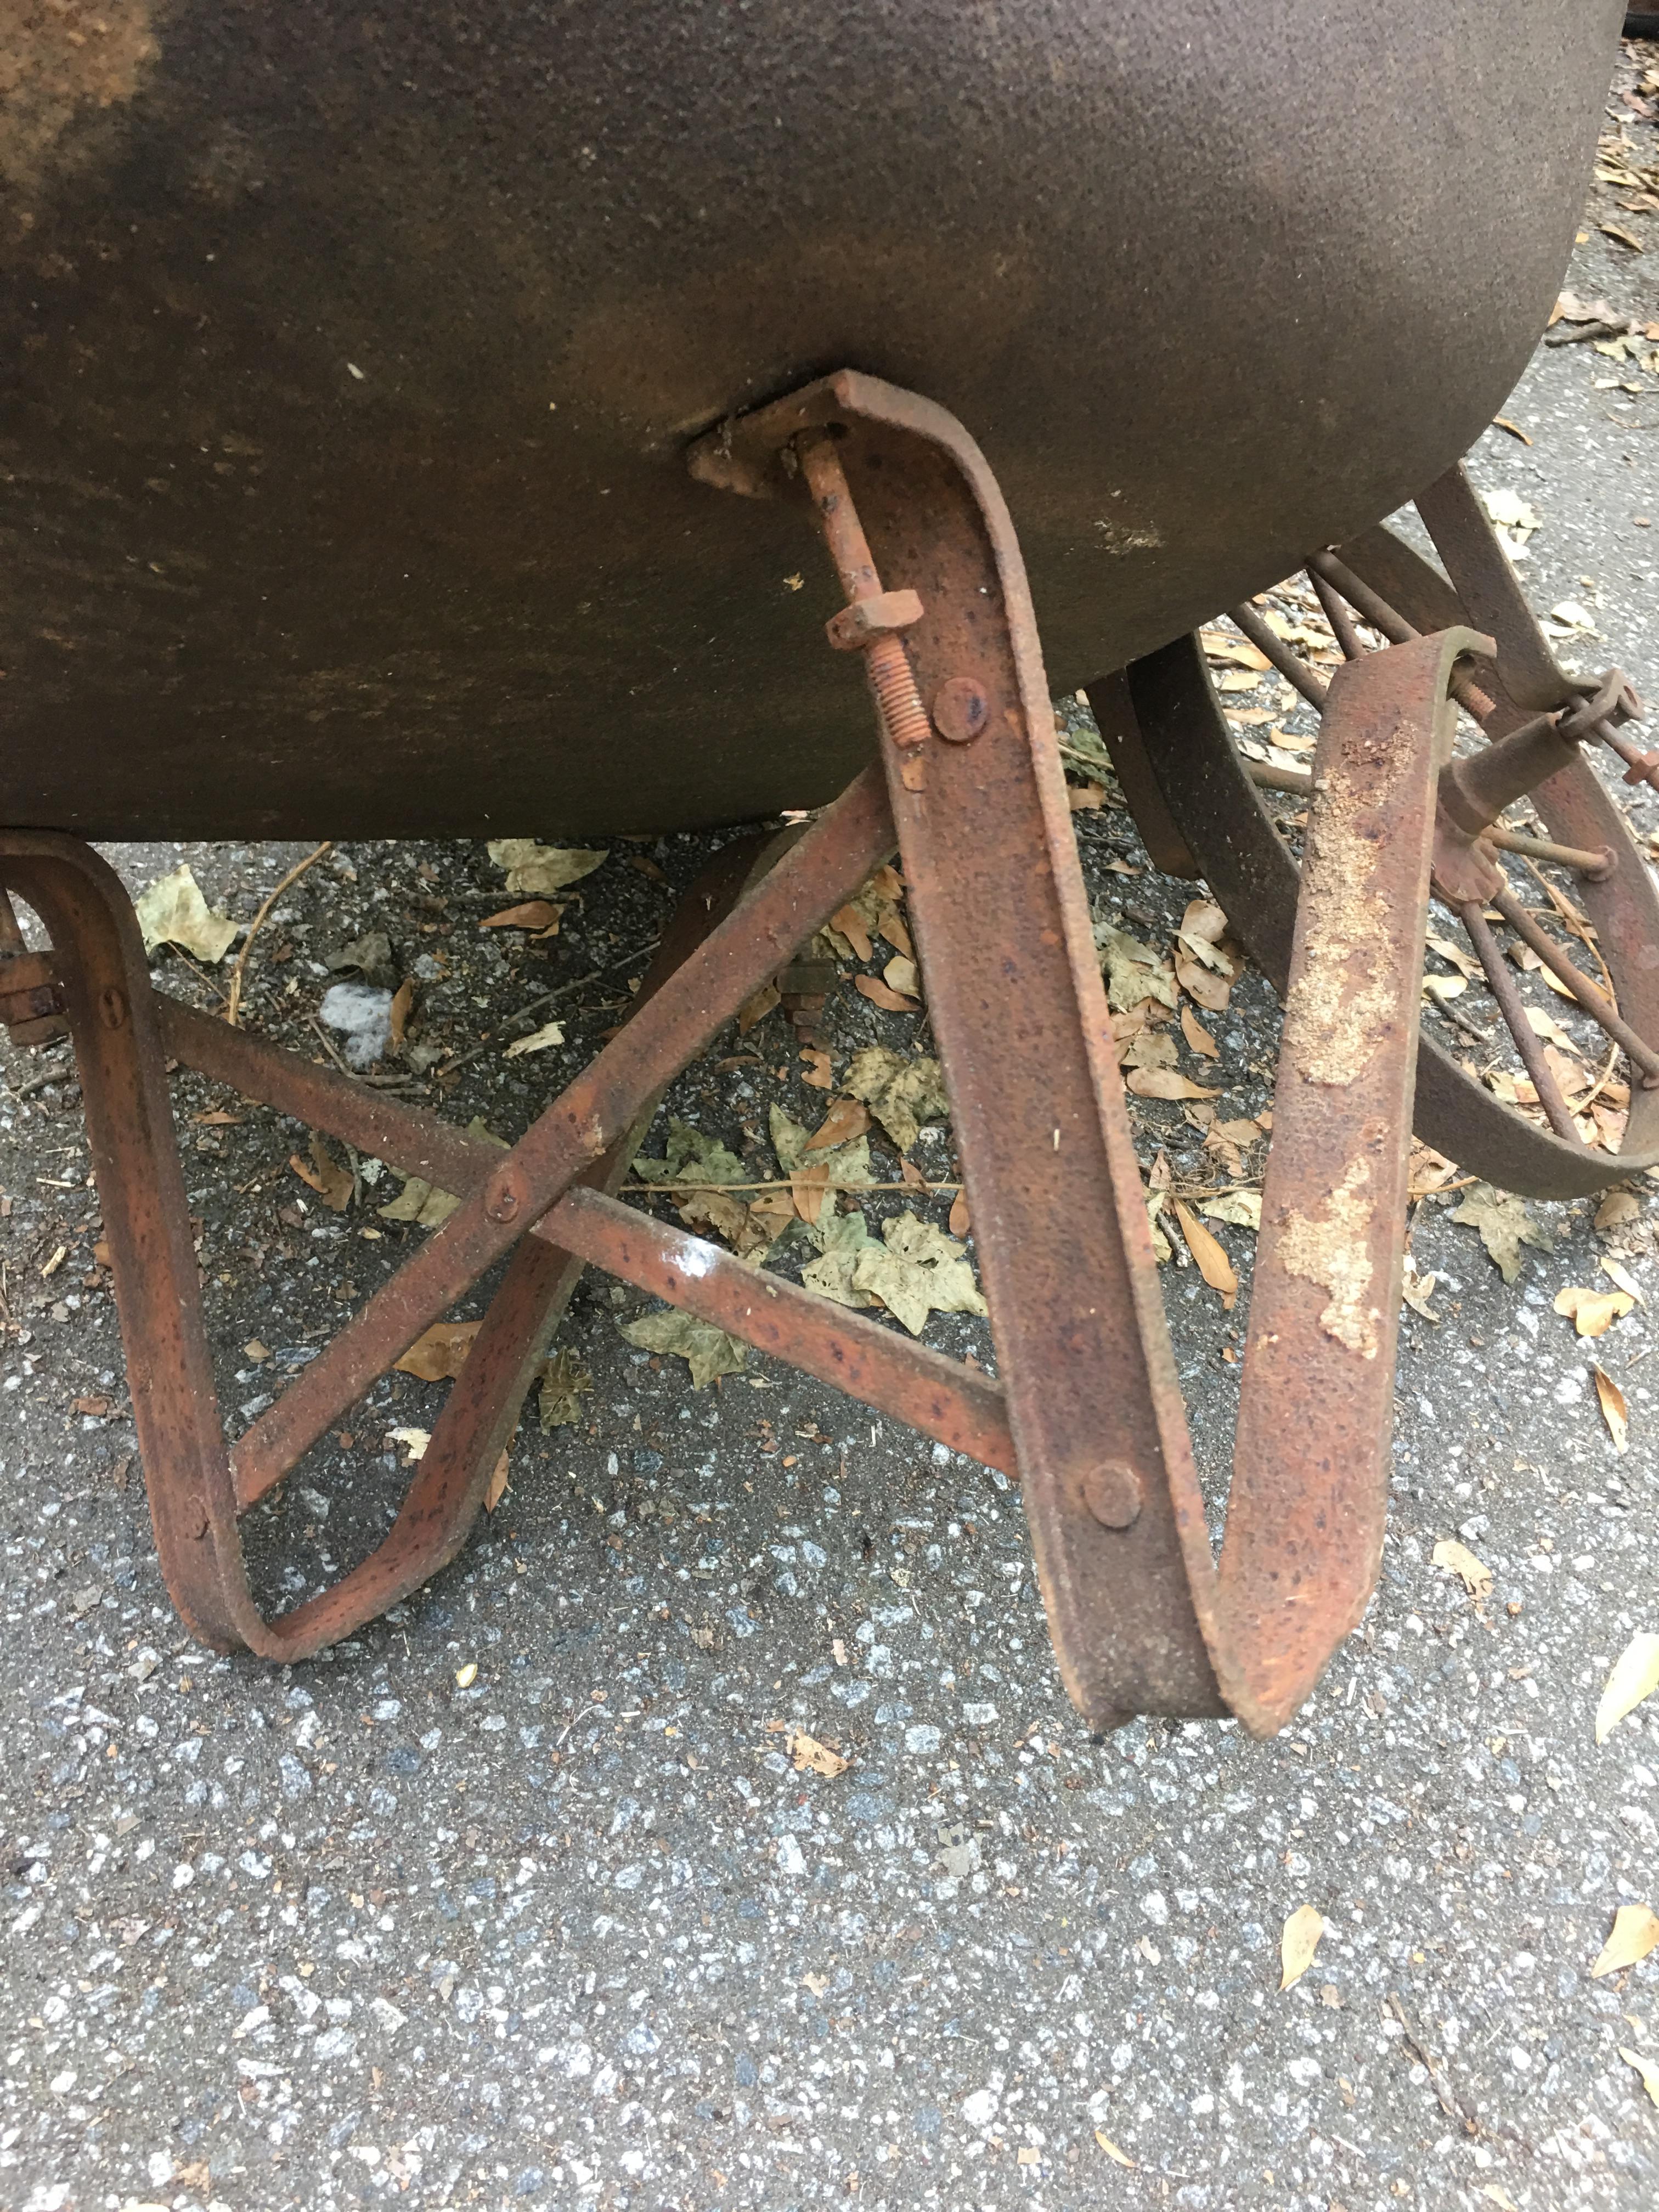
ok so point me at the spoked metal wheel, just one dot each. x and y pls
(1576, 903)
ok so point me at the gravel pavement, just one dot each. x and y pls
(519, 1898)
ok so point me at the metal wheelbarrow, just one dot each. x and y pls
(446, 404)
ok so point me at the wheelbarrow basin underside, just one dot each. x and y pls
(354, 358)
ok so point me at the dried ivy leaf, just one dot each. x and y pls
(691, 1157)
(842, 1239)
(922, 1271)
(1132, 971)
(1593, 1312)
(540, 869)
(903, 1094)
(172, 911)
(707, 1351)
(422, 1202)
(1504, 1225)
(1240, 1209)
(565, 1383)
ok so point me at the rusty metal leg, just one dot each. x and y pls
(1003, 932)
(1141, 1617)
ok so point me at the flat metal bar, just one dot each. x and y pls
(823, 869)
(911, 1383)
(408, 1138)
(1306, 1512)
(1003, 932)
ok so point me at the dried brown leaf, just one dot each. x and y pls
(755, 1008)
(1297, 1944)
(534, 914)
(1197, 1036)
(846, 1119)
(1209, 1254)
(1614, 1411)
(440, 1352)
(1635, 1933)
(497, 1488)
(1635, 1677)
(811, 1757)
(850, 923)
(879, 994)
(332, 1183)
(1165, 1083)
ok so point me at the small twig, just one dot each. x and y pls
(1464, 1022)
(1600, 1084)
(257, 923)
(199, 973)
(63, 1072)
(322, 1039)
(523, 1014)
(1449, 2104)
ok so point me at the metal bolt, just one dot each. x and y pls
(961, 710)
(1112, 1493)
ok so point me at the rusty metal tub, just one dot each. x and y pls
(354, 357)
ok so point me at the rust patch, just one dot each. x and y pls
(59, 59)
(1341, 1005)
(1334, 1252)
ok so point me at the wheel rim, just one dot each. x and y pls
(1167, 729)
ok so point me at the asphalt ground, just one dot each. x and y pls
(573, 1929)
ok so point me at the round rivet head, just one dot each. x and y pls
(504, 1201)
(1112, 1492)
(960, 710)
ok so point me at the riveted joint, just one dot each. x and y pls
(504, 1198)
(1114, 1493)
